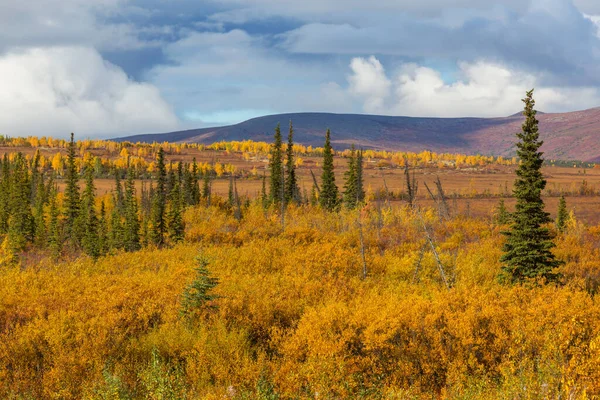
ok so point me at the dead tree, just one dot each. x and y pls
(411, 186)
(433, 249)
(442, 197)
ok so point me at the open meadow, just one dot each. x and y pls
(235, 300)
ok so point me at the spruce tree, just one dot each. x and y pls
(350, 192)
(230, 193)
(206, 187)
(103, 239)
(264, 198)
(292, 191)
(563, 215)
(195, 186)
(131, 228)
(55, 240)
(527, 251)
(360, 183)
(328, 197)
(72, 199)
(502, 214)
(276, 167)
(158, 226)
(175, 227)
(90, 239)
(197, 296)
(21, 222)
(39, 216)
(5, 194)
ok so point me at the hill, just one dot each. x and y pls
(567, 136)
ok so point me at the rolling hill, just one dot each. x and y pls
(567, 136)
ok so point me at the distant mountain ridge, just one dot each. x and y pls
(567, 136)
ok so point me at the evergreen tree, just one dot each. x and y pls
(90, 239)
(5, 194)
(350, 192)
(176, 229)
(276, 167)
(230, 194)
(195, 185)
(527, 251)
(328, 197)
(131, 228)
(502, 214)
(563, 215)
(72, 200)
(54, 230)
(20, 223)
(264, 199)
(103, 239)
(158, 226)
(206, 188)
(360, 183)
(292, 191)
(197, 296)
(39, 217)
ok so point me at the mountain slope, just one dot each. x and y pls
(567, 136)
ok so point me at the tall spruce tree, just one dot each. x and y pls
(360, 183)
(90, 239)
(292, 191)
(54, 240)
(72, 199)
(206, 187)
(158, 226)
(175, 227)
(328, 197)
(350, 176)
(527, 251)
(5, 194)
(276, 167)
(563, 215)
(131, 229)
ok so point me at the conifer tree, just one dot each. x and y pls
(176, 229)
(206, 187)
(103, 239)
(197, 296)
(264, 198)
(563, 215)
(39, 217)
(527, 251)
(54, 229)
(72, 199)
(350, 192)
(20, 223)
(195, 184)
(131, 229)
(328, 197)
(292, 191)
(90, 239)
(5, 194)
(502, 214)
(230, 193)
(158, 225)
(276, 167)
(360, 185)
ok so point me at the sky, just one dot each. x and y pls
(108, 68)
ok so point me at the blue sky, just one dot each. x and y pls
(105, 68)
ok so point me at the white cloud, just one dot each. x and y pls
(369, 81)
(55, 91)
(484, 89)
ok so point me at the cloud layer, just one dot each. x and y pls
(185, 63)
(55, 91)
(483, 89)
